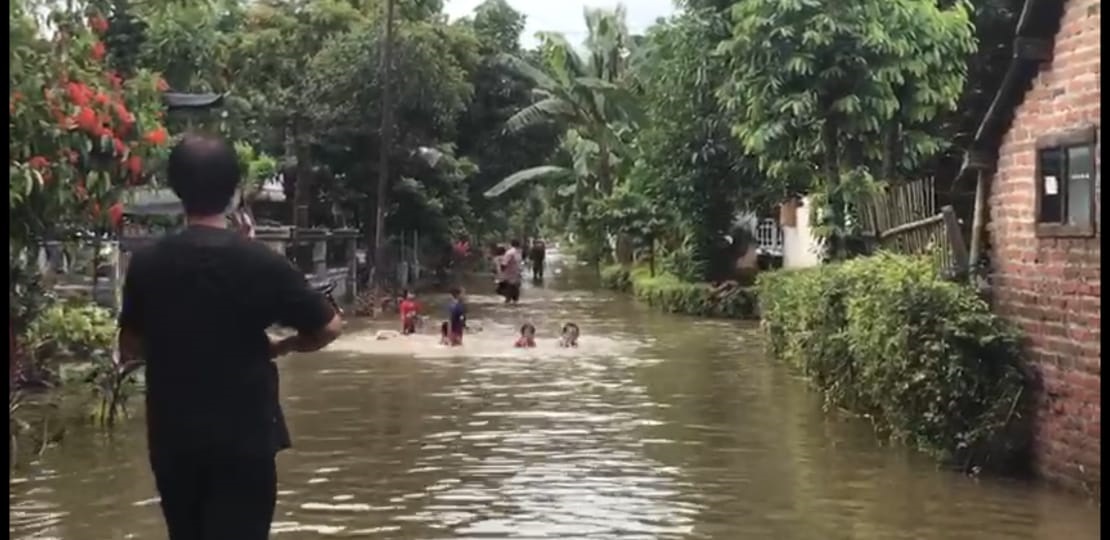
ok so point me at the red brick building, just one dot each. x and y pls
(1037, 158)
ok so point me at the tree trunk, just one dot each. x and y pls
(386, 142)
(831, 173)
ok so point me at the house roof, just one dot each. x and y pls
(1033, 43)
(148, 201)
(181, 100)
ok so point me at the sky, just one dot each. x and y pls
(565, 16)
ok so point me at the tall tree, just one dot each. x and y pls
(832, 95)
(588, 97)
(689, 162)
(498, 94)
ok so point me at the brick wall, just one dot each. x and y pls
(1051, 286)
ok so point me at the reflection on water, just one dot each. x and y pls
(655, 427)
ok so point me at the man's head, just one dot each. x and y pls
(515, 243)
(456, 292)
(204, 174)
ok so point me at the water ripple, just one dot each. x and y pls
(656, 427)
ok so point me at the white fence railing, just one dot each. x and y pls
(768, 235)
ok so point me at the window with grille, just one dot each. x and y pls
(1066, 184)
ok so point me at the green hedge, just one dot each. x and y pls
(670, 294)
(923, 358)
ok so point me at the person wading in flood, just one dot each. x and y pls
(511, 273)
(196, 306)
(536, 255)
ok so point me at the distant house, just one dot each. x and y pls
(800, 247)
(1037, 219)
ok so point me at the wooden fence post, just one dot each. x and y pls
(955, 240)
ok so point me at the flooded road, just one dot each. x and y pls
(656, 427)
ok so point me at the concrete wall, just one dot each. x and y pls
(1050, 286)
(799, 248)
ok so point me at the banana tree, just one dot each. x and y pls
(589, 95)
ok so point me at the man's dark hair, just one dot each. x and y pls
(515, 243)
(455, 291)
(204, 174)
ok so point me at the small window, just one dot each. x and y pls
(1065, 173)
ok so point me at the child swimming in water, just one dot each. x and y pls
(527, 337)
(570, 335)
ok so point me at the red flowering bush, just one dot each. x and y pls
(79, 133)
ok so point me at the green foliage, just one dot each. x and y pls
(922, 357)
(617, 277)
(257, 168)
(686, 261)
(498, 94)
(688, 161)
(589, 96)
(67, 332)
(668, 293)
(825, 91)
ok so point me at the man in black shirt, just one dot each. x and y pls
(196, 306)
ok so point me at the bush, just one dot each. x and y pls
(667, 292)
(81, 335)
(71, 332)
(616, 278)
(923, 358)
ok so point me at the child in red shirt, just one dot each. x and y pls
(409, 312)
(527, 336)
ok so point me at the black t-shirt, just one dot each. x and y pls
(201, 301)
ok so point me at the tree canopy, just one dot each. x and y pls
(664, 138)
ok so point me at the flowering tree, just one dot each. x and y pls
(79, 133)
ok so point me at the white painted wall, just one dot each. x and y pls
(799, 248)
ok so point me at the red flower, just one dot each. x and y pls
(101, 98)
(98, 51)
(79, 94)
(80, 190)
(121, 148)
(94, 210)
(115, 79)
(162, 85)
(87, 120)
(157, 137)
(16, 96)
(115, 214)
(98, 24)
(135, 165)
(124, 115)
(38, 163)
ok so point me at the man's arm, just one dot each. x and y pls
(300, 307)
(131, 316)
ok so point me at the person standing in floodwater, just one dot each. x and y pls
(536, 255)
(409, 312)
(456, 317)
(511, 273)
(196, 306)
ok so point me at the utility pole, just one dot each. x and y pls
(385, 134)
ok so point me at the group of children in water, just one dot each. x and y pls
(451, 330)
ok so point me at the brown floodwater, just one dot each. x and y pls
(656, 427)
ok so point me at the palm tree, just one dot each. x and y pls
(589, 95)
